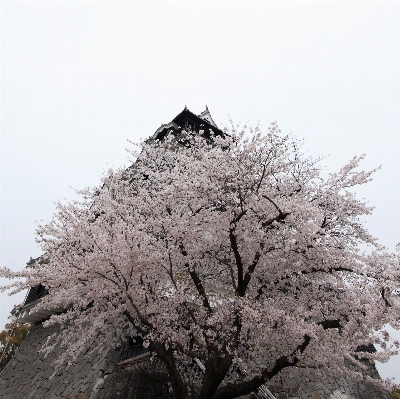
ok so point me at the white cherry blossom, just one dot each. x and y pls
(235, 253)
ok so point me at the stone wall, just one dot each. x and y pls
(306, 384)
(140, 377)
(26, 376)
(96, 376)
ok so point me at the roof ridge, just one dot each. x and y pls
(206, 116)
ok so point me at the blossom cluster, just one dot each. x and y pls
(234, 252)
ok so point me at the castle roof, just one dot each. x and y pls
(205, 115)
(189, 121)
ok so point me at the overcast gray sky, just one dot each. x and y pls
(80, 78)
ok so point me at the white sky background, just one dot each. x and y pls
(80, 78)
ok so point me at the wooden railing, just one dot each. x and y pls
(264, 393)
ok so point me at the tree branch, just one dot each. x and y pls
(246, 387)
(273, 203)
(280, 218)
(263, 173)
(326, 324)
(329, 270)
(250, 271)
(178, 386)
(197, 282)
(384, 298)
(132, 321)
(238, 259)
(200, 288)
(143, 319)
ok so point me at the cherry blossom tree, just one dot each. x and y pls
(233, 252)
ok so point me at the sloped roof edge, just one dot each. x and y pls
(206, 115)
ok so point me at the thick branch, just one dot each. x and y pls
(200, 288)
(329, 270)
(187, 352)
(384, 298)
(132, 321)
(238, 217)
(178, 386)
(143, 319)
(250, 271)
(326, 324)
(246, 387)
(197, 282)
(217, 367)
(313, 270)
(294, 274)
(238, 259)
(273, 203)
(280, 218)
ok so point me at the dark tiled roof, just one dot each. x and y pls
(189, 121)
(35, 293)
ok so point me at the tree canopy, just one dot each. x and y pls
(11, 338)
(234, 252)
